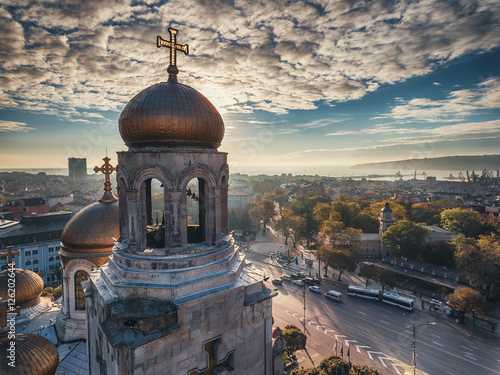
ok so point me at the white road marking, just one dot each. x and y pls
(434, 342)
(471, 357)
(361, 312)
(383, 321)
(467, 348)
(432, 334)
(386, 316)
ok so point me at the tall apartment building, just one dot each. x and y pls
(77, 169)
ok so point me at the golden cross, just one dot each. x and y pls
(211, 349)
(106, 169)
(172, 45)
(9, 254)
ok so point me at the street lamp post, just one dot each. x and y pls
(304, 295)
(288, 260)
(413, 345)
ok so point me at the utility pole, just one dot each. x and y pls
(304, 295)
(319, 265)
(414, 350)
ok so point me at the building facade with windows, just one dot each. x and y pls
(37, 237)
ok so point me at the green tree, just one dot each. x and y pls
(407, 238)
(479, 260)
(259, 187)
(304, 206)
(347, 210)
(335, 366)
(366, 223)
(290, 225)
(462, 221)
(368, 273)
(423, 213)
(386, 279)
(294, 338)
(264, 211)
(278, 196)
(441, 253)
(339, 260)
(465, 299)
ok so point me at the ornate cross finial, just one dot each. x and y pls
(9, 254)
(106, 169)
(172, 69)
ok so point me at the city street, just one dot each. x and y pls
(379, 335)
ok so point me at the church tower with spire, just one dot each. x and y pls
(176, 296)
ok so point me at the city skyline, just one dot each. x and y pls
(297, 83)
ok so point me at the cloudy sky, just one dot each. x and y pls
(298, 83)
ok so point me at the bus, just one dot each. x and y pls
(359, 291)
(399, 301)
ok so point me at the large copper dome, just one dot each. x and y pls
(89, 234)
(170, 114)
(29, 286)
(34, 355)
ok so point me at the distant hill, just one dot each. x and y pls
(462, 163)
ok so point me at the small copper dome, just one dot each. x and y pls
(34, 355)
(89, 234)
(170, 114)
(28, 287)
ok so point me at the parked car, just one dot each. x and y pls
(298, 282)
(277, 282)
(315, 289)
(286, 278)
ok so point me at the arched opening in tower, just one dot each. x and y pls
(80, 276)
(196, 210)
(155, 213)
(223, 203)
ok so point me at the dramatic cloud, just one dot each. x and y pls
(11, 126)
(456, 106)
(73, 58)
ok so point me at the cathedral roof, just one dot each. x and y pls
(34, 355)
(171, 114)
(89, 234)
(29, 286)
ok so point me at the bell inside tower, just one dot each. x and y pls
(196, 210)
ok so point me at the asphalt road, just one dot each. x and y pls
(380, 335)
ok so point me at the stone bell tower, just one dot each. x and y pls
(176, 297)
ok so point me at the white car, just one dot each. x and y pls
(299, 282)
(315, 289)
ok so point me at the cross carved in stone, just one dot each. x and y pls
(172, 45)
(9, 254)
(214, 367)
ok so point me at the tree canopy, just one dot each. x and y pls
(463, 221)
(479, 260)
(465, 299)
(264, 211)
(294, 338)
(407, 238)
(334, 366)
